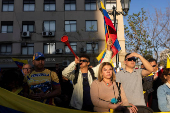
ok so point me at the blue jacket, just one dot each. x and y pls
(163, 94)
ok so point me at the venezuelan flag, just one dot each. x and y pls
(19, 62)
(110, 32)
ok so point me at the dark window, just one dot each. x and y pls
(27, 49)
(49, 26)
(73, 46)
(90, 4)
(70, 5)
(91, 25)
(5, 49)
(70, 26)
(90, 49)
(29, 5)
(6, 27)
(49, 5)
(28, 26)
(7, 5)
(49, 48)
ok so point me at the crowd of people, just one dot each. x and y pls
(82, 87)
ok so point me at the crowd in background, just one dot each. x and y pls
(96, 88)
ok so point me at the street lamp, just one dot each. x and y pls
(93, 45)
(125, 7)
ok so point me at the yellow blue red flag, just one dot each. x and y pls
(110, 32)
(20, 63)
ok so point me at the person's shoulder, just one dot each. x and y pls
(162, 87)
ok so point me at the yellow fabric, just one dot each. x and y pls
(102, 5)
(16, 91)
(18, 60)
(19, 103)
(99, 57)
(168, 62)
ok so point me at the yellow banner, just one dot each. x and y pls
(168, 62)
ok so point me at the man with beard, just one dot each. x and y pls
(42, 84)
(82, 79)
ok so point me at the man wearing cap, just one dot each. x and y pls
(42, 84)
(131, 78)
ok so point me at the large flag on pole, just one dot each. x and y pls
(20, 63)
(110, 32)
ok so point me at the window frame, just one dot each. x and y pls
(7, 2)
(96, 49)
(49, 2)
(91, 26)
(29, 2)
(28, 23)
(70, 24)
(6, 53)
(7, 24)
(49, 53)
(90, 2)
(66, 2)
(111, 3)
(27, 48)
(72, 46)
(49, 26)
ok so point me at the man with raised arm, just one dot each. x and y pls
(83, 78)
(131, 78)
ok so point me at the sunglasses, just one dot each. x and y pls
(153, 65)
(84, 61)
(131, 58)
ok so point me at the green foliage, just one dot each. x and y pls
(137, 39)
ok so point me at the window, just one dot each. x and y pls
(29, 5)
(28, 26)
(109, 4)
(6, 27)
(73, 46)
(90, 49)
(49, 48)
(91, 25)
(7, 5)
(70, 5)
(90, 4)
(5, 49)
(27, 49)
(49, 5)
(49, 26)
(70, 26)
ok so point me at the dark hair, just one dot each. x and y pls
(166, 71)
(127, 55)
(152, 60)
(85, 56)
(12, 75)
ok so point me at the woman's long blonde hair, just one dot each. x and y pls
(100, 76)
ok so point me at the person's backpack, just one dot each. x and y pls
(77, 73)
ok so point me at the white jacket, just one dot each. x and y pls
(77, 96)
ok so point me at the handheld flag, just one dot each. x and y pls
(20, 63)
(168, 62)
(110, 32)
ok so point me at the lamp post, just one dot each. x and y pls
(93, 45)
(125, 7)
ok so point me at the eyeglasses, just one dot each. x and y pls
(84, 61)
(131, 58)
(27, 68)
(153, 65)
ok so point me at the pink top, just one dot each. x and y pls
(101, 95)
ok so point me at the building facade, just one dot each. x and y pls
(29, 26)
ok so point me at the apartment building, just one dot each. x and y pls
(29, 26)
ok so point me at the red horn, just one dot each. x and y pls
(65, 40)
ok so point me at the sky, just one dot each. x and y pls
(148, 6)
